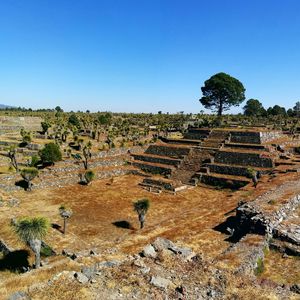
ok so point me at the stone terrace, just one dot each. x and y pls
(214, 156)
(13, 124)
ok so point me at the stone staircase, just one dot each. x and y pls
(215, 139)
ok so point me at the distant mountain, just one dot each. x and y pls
(3, 106)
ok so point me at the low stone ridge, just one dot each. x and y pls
(244, 159)
(233, 169)
(167, 275)
(247, 252)
(272, 214)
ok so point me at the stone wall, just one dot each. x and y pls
(243, 159)
(252, 137)
(263, 214)
(267, 136)
(153, 168)
(8, 123)
(165, 185)
(177, 152)
(223, 182)
(245, 137)
(158, 160)
(118, 151)
(227, 169)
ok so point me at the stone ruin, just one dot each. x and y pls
(15, 124)
(220, 157)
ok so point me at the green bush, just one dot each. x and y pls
(50, 153)
(73, 119)
(46, 251)
(34, 161)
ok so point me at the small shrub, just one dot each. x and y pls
(89, 176)
(46, 251)
(259, 267)
(34, 161)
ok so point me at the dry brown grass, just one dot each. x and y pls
(281, 270)
(188, 217)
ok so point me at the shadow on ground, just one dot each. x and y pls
(22, 183)
(123, 224)
(231, 228)
(57, 227)
(15, 261)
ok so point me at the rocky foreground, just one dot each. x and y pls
(163, 270)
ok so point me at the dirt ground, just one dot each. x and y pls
(103, 219)
(189, 216)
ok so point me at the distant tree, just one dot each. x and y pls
(290, 112)
(296, 109)
(50, 153)
(276, 110)
(58, 109)
(31, 231)
(12, 156)
(87, 155)
(26, 136)
(28, 175)
(254, 108)
(222, 91)
(66, 214)
(73, 120)
(45, 127)
(141, 207)
(105, 119)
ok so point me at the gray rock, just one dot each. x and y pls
(184, 252)
(109, 264)
(139, 263)
(80, 277)
(145, 270)
(160, 282)
(162, 243)
(89, 272)
(19, 296)
(149, 251)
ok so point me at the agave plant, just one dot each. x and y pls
(66, 214)
(141, 207)
(28, 175)
(31, 231)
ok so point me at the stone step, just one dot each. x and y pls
(245, 158)
(246, 146)
(172, 151)
(154, 168)
(236, 170)
(223, 180)
(157, 159)
(182, 141)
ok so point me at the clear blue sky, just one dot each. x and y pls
(146, 55)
